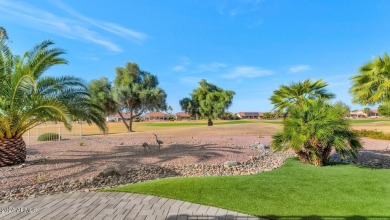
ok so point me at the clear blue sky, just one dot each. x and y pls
(249, 46)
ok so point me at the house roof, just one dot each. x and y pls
(182, 114)
(155, 115)
(250, 114)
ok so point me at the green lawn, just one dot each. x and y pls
(352, 121)
(293, 190)
(362, 121)
(197, 123)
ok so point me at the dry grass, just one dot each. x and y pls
(251, 128)
(379, 126)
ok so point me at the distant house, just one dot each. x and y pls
(156, 116)
(182, 115)
(250, 115)
(358, 114)
(117, 117)
(373, 113)
(362, 114)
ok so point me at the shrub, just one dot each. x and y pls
(49, 137)
(372, 134)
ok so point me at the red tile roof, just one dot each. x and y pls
(250, 114)
(156, 115)
(182, 114)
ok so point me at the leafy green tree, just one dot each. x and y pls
(313, 129)
(137, 91)
(210, 100)
(171, 117)
(372, 84)
(344, 108)
(268, 115)
(101, 93)
(384, 110)
(288, 96)
(366, 110)
(191, 106)
(27, 98)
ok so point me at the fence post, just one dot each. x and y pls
(59, 132)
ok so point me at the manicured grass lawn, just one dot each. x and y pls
(195, 123)
(362, 121)
(293, 190)
(352, 121)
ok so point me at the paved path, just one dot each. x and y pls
(106, 205)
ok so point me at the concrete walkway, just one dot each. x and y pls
(106, 205)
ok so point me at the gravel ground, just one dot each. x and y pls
(68, 161)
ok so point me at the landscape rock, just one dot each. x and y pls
(230, 163)
(109, 171)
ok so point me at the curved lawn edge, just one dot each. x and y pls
(292, 190)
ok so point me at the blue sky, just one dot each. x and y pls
(249, 46)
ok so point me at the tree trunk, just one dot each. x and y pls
(131, 122)
(124, 121)
(210, 123)
(12, 151)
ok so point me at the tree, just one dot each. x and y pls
(313, 129)
(294, 94)
(384, 110)
(268, 115)
(171, 117)
(101, 93)
(208, 100)
(28, 99)
(372, 84)
(344, 108)
(366, 110)
(137, 91)
(3, 34)
(190, 106)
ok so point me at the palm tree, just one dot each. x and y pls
(315, 128)
(372, 84)
(28, 99)
(295, 94)
(3, 34)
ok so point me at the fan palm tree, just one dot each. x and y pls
(28, 99)
(294, 94)
(313, 129)
(3, 34)
(372, 84)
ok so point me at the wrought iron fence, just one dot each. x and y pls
(52, 132)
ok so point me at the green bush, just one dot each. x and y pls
(372, 134)
(49, 137)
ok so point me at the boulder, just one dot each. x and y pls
(230, 163)
(263, 146)
(109, 171)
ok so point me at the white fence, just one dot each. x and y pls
(52, 132)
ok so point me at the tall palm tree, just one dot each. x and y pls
(27, 98)
(372, 84)
(294, 94)
(313, 129)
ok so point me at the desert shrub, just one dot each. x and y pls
(49, 137)
(372, 134)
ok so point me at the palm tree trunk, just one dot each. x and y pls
(12, 151)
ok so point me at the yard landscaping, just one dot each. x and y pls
(293, 190)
